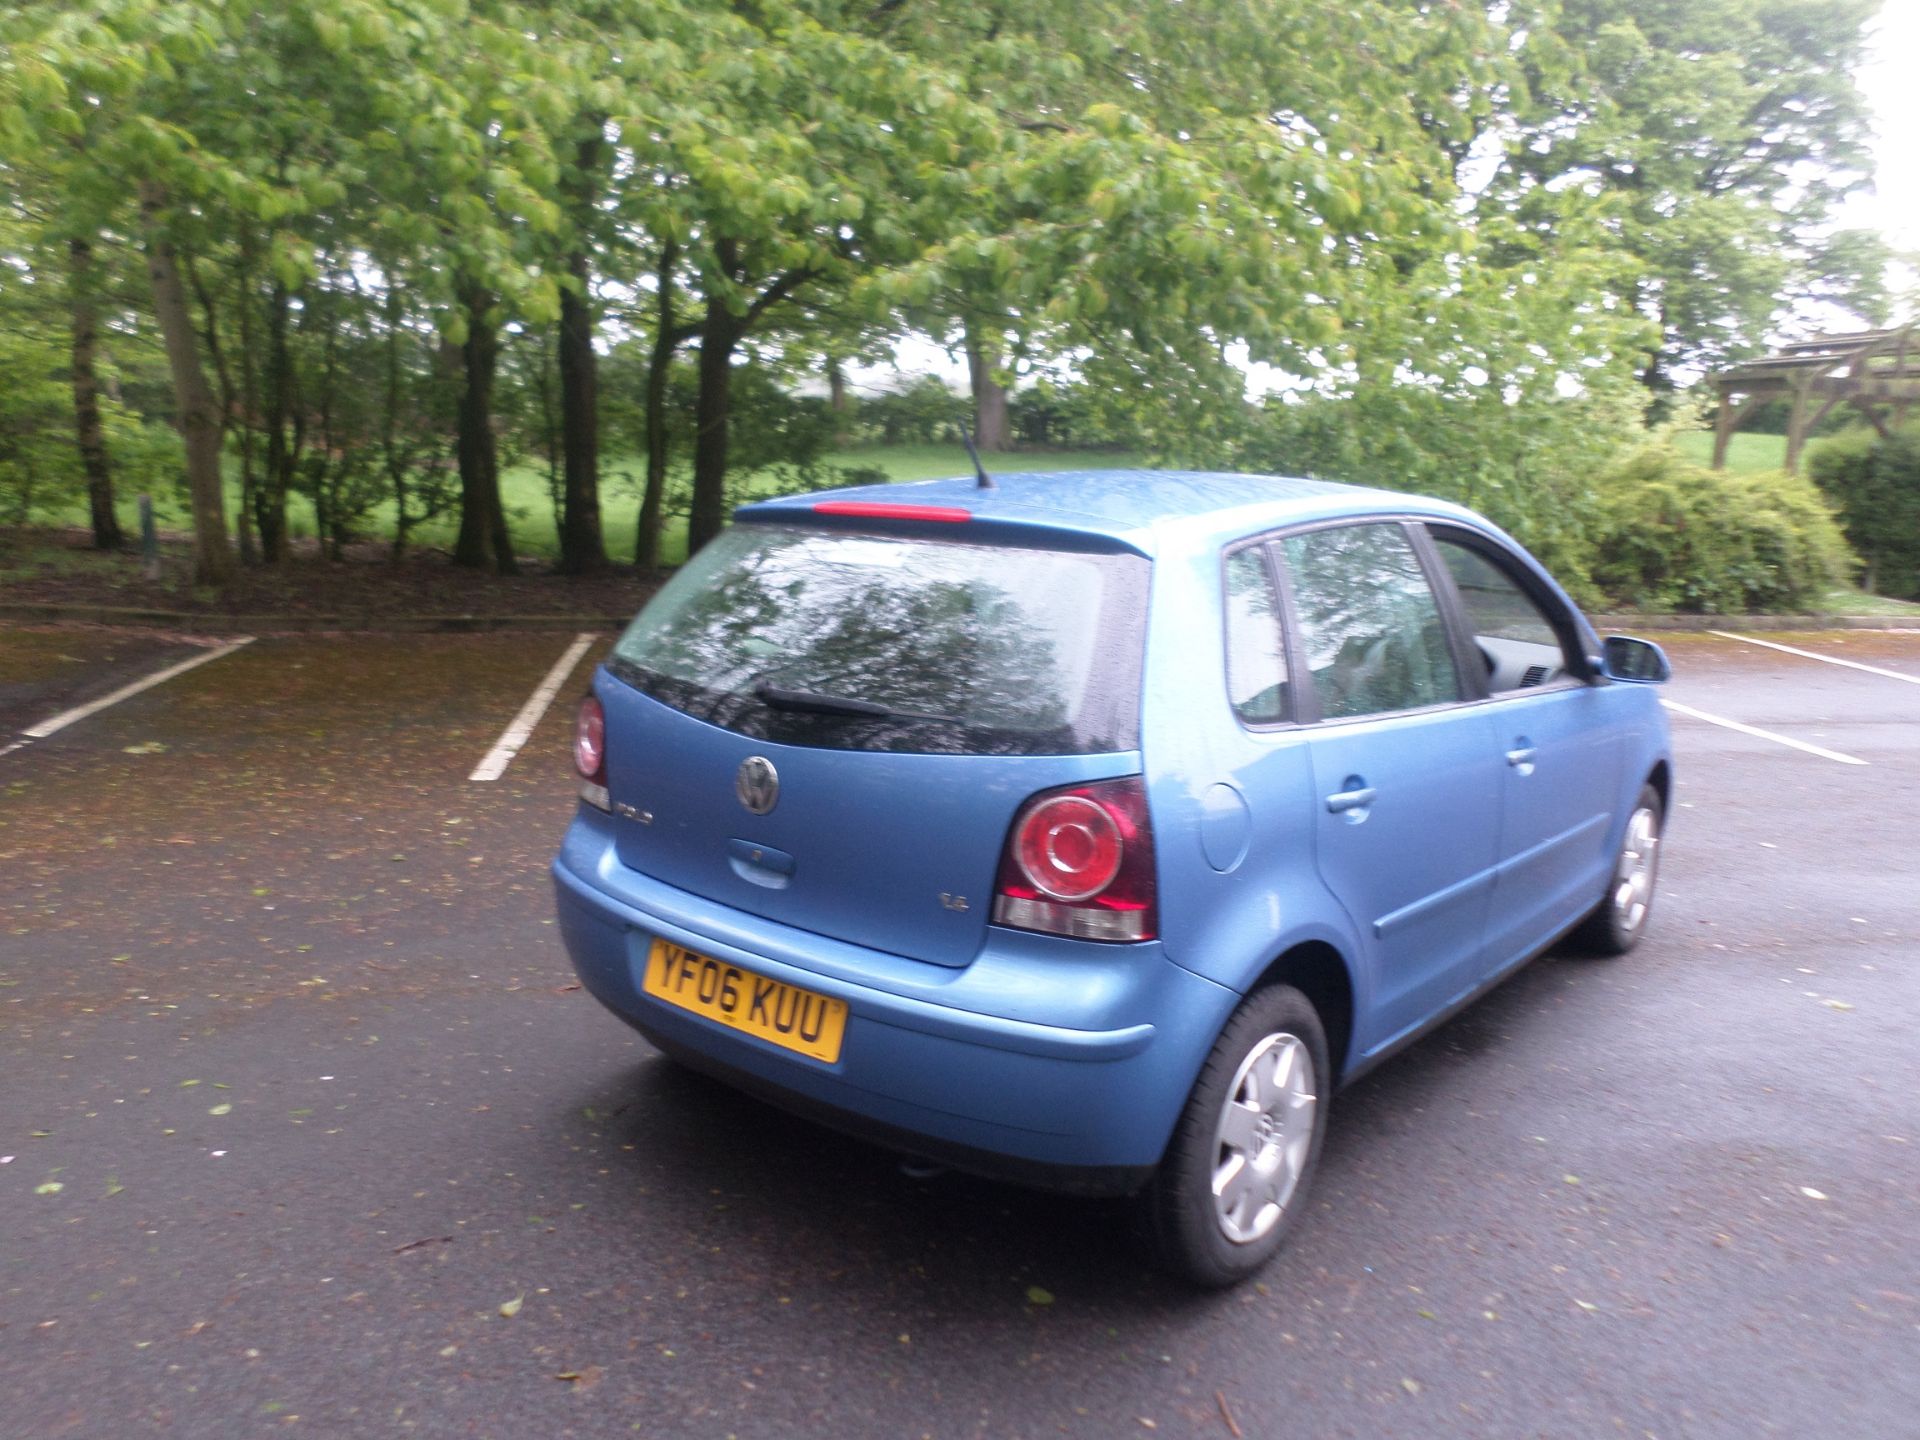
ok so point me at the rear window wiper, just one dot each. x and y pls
(815, 702)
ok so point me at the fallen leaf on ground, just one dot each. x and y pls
(512, 1307)
(1037, 1296)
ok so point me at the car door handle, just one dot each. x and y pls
(1342, 801)
(1520, 755)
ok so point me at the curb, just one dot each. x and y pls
(194, 623)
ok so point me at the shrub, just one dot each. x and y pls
(1875, 483)
(1527, 465)
(922, 412)
(1672, 535)
(1064, 414)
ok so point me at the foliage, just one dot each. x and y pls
(39, 466)
(1462, 229)
(1875, 483)
(924, 410)
(1719, 136)
(1050, 412)
(1671, 535)
(1526, 465)
(37, 458)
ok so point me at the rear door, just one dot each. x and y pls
(834, 729)
(1407, 782)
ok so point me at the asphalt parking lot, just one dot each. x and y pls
(306, 1128)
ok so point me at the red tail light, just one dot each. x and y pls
(1079, 862)
(590, 752)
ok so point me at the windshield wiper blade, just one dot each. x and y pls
(816, 703)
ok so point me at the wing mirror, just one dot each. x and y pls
(1639, 662)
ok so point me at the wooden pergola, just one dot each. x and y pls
(1875, 371)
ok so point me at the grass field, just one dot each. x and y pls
(1744, 452)
(530, 511)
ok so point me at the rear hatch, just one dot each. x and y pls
(833, 729)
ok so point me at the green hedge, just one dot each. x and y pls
(1875, 483)
(1672, 535)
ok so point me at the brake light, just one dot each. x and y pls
(590, 753)
(1079, 862)
(887, 510)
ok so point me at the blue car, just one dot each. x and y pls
(1090, 830)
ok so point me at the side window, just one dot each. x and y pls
(1369, 622)
(1256, 658)
(1515, 639)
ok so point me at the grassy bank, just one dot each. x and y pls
(1744, 452)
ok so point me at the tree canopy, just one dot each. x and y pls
(366, 253)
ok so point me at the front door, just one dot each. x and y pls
(1561, 755)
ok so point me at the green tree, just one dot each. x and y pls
(1723, 134)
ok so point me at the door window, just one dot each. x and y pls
(1369, 624)
(1256, 658)
(1511, 631)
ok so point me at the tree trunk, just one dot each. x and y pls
(249, 408)
(837, 400)
(646, 545)
(88, 434)
(582, 550)
(718, 337)
(242, 528)
(483, 541)
(270, 502)
(990, 427)
(390, 425)
(199, 421)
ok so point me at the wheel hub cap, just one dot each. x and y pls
(1264, 1137)
(1633, 876)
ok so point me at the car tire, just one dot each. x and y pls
(1620, 919)
(1234, 1179)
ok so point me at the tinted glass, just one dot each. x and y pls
(1515, 639)
(944, 647)
(1369, 622)
(1256, 659)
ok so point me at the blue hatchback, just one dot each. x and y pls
(1090, 829)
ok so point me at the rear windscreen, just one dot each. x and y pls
(871, 642)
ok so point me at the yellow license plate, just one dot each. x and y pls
(781, 1014)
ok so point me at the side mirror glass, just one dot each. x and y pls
(1640, 662)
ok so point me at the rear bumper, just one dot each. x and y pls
(1049, 1062)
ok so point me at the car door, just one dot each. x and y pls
(1407, 778)
(1561, 753)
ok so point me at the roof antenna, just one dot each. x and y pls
(985, 482)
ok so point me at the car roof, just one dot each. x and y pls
(1145, 510)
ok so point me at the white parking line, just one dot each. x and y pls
(94, 707)
(1811, 655)
(515, 735)
(1721, 720)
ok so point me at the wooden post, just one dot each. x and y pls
(1722, 429)
(1796, 426)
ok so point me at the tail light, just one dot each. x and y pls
(1079, 862)
(590, 753)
